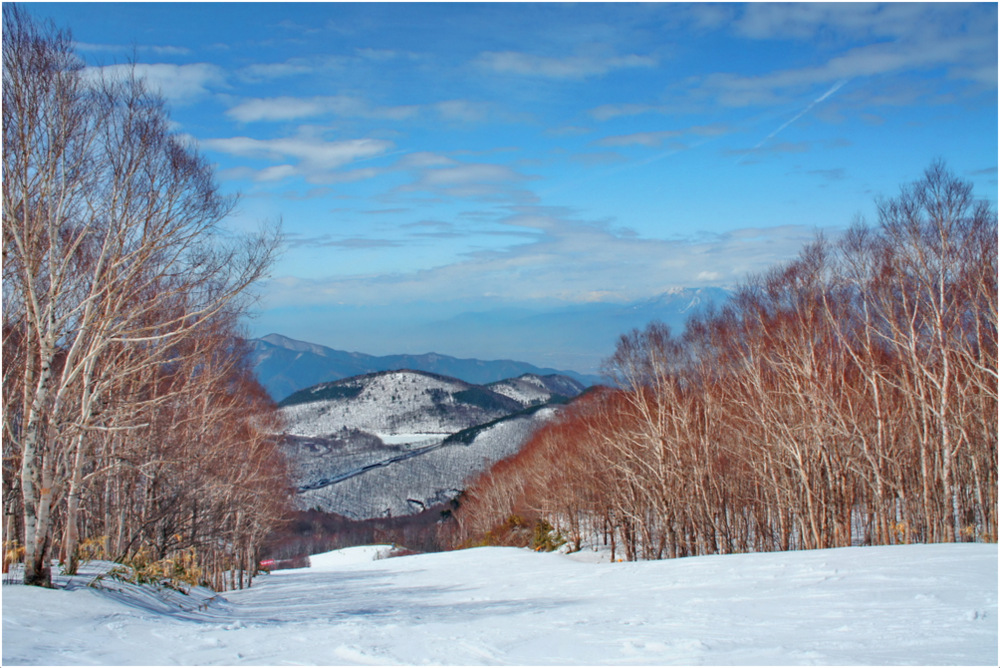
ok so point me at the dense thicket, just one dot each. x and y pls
(132, 426)
(849, 397)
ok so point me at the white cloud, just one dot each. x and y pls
(567, 67)
(807, 20)
(462, 110)
(315, 160)
(329, 155)
(651, 139)
(177, 83)
(469, 173)
(424, 159)
(915, 38)
(287, 108)
(275, 173)
(450, 178)
(606, 112)
(140, 48)
(269, 71)
(565, 259)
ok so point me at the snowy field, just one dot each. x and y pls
(924, 604)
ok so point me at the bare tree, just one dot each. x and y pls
(111, 260)
(847, 396)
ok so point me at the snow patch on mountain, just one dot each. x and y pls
(393, 402)
(532, 390)
(432, 476)
(398, 442)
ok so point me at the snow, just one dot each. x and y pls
(415, 440)
(391, 486)
(527, 390)
(350, 556)
(919, 604)
(530, 389)
(391, 402)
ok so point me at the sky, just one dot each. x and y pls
(444, 163)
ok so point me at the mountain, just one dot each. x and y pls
(533, 390)
(578, 336)
(393, 403)
(401, 482)
(284, 365)
(394, 443)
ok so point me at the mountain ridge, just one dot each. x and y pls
(284, 366)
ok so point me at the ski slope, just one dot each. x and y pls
(922, 604)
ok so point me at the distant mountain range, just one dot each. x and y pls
(576, 336)
(572, 337)
(285, 366)
(398, 442)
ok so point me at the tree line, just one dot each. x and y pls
(847, 397)
(133, 428)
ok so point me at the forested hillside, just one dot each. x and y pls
(848, 397)
(396, 443)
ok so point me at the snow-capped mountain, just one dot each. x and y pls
(532, 390)
(393, 403)
(396, 442)
(285, 365)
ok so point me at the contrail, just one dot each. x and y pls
(833, 89)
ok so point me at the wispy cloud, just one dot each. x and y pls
(591, 158)
(651, 139)
(565, 259)
(566, 67)
(294, 240)
(962, 55)
(808, 20)
(291, 108)
(779, 147)
(462, 110)
(138, 48)
(434, 229)
(836, 174)
(314, 160)
(606, 112)
(445, 176)
(287, 108)
(258, 72)
(178, 83)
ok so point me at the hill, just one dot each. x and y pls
(397, 442)
(284, 366)
(533, 390)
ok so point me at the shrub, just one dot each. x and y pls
(545, 538)
(172, 572)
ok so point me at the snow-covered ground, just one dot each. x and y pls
(923, 604)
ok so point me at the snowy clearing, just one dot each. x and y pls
(415, 440)
(920, 604)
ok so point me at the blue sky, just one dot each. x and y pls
(433, 160)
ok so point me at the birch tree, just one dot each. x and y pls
(112, 257)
